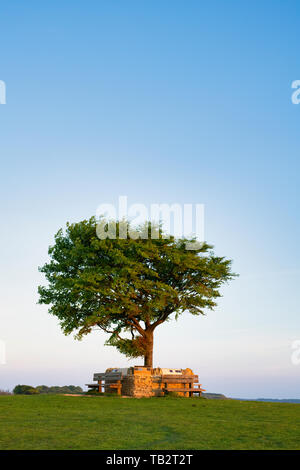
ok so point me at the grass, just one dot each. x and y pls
(61, 422)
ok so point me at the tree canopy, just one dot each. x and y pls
(127, 287)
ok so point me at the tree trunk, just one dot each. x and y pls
(148, 357)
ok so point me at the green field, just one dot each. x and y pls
(62, 422)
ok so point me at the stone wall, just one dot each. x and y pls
(137, 386)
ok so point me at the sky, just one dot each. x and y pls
(164, 102)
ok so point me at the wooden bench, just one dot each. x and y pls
(92, 385)
(107, 382)
(107, 387)
(117, 386)
(162, 384)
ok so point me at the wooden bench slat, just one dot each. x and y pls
(174, 381)
(168, 389)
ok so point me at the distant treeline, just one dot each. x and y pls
(271, 400)
(279, 400)
(42, 389)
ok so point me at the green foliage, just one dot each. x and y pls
(42, 389)
(126, 286)
(129, 347)
(94, 392)
(57, 390)
(25, 390)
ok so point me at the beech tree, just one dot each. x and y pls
(128, 287)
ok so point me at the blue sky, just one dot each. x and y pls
(165, 102)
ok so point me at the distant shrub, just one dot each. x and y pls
(43, 389)
(25, 390)
(57, 390)
(5, 392)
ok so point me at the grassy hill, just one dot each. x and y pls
(66, 422)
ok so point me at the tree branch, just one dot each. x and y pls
(110, 332)
(162, 319)
(135, 324)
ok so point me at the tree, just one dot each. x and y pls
(25, 390)
(128, 286)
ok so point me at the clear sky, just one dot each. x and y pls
(165, 102)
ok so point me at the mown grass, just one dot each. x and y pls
(61, 422)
